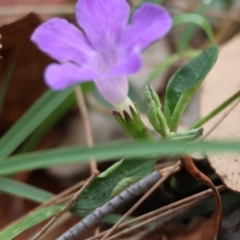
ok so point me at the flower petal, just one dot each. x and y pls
(61, 76)
(149, 23)
(114, 89)
(102, 20)
(130, 65)
(62, 41)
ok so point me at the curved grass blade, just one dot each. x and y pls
(24, 190)
(31, 220)
(33, 118)
(190, 29)
(110, 151)
(196, 19)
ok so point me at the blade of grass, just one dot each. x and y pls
(47, 125)
(31, 220)
(196, 19)
(216, 110)
(110, 151)
(190, 30)
(24, 190)
(32, 119)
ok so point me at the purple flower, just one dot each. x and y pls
(106, 50)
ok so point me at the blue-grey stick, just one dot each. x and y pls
(111, 206)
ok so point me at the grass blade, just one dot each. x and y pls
(24, 190)
(109, 151)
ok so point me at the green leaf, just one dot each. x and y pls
(114, 180)
(169, 61)
(24, 190)
(184, 84)
(32, 219)
(110, 151)
(196, 19)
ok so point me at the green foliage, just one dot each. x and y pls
(24, 190)
(47, 105)
(114, 180)
(31, 120)
(190, 30)
(196, 19)
(154, 112)
(184, 84)
(31, 220)
(109, 151)
(188, 135)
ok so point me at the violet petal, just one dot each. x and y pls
(103, 21)
(149, 23)
(113, 89)
(62, 41)
(130, 65)
(61, 76)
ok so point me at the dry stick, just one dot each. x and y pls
(221, 119)
(86, 123)
(140, 201)
(66, 207)
(91, 100)
(155, 218)
(198, 196)
(192, 169)
(111, 206)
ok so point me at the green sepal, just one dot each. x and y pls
(184, 84)
(154, 112)
(133, 125)
(187, 136)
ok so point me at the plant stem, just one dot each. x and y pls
(216, 110)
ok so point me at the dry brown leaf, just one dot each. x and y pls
(195, 231)
(221, 83)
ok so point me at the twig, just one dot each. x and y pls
(199, 196)
(66, 207)
(128, 213)
(98, 106)
(192, 169)
(86, 123)
(167, 214)
(111, 206)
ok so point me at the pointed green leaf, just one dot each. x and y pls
(114, 180)
(184, 84)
